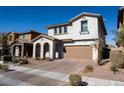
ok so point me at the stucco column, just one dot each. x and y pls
(61, 50)
(22, 50)
(41, 50)
(12, 50)
(51, 50)
(17, 51)
(34, 51)
(95, 54)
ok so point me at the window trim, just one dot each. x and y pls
(55, 30)
(60, 30)
(65, 30)
(82, 28)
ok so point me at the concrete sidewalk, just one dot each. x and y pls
(63, 77)
(8, 81)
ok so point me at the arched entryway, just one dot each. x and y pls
(37, 50)
(46, 50)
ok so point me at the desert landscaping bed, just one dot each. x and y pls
(69, 67)
(103, 72)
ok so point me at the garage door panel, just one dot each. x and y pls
(78, 52)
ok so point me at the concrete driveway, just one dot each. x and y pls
(44, 73)
(61, 65)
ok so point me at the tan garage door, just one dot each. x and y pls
(78, 52)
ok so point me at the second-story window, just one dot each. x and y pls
(10, 38)
(55, 31)
(60, 30)
(65, 29)
(84, 26)
(24, 36)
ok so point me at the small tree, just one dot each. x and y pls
(0, 39)
(5, 49)
(101, 46)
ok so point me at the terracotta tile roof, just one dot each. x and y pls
(20, 33)
(31, 31)
(21, 42)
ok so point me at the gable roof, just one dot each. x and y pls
(75, 18)
(12, 32)
(45, 36)
(21, 33)
(28, 32)
(56, 25)
(21, 42)
(99, 16)
(84, 14)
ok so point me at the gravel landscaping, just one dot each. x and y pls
(103, 72)
(78, 67)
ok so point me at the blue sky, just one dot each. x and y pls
(21, 19)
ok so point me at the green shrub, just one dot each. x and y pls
(0, 66)
(75, 80)
(23, 61)
(15, 59)
(43, 58)
(37, 58)
(121, 65)
(48, 59)
(114, 69)
(4, 67)
(88, 68)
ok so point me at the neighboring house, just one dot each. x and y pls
(20, 43)
(11, 37)
(79, 38)
(1, 45)
(120, 18)
(4, 50)
(120, 23)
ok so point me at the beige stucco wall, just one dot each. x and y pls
(42, 41)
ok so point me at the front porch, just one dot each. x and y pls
(47, 47)
(22, 49)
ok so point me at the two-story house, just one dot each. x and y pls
(4, 50)
(79, 38)
(21, 43)
(120, 22)
(11, 37)
(1, 36)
